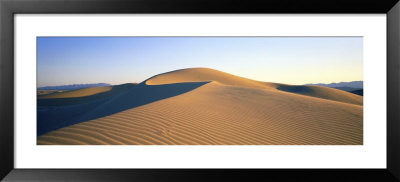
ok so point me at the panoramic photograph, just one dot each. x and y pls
(199, 91)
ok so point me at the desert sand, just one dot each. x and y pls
(77, 93)
(201, 106)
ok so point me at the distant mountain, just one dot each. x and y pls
(354, 84)
(73, 87)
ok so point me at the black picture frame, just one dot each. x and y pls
(8, 8)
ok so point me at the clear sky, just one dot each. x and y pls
(117, 60)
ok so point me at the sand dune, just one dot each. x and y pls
(77, 93)
(323, 92)
(55, 113)
(207, 74)
(208, 107)
(83, 95)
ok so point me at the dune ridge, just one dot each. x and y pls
(223, 110)
(207, 74)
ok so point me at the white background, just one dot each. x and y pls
(370, 155)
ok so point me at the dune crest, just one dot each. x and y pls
(207, 74)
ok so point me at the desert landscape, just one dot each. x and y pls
(200, 106)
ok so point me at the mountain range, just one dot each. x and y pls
(353, 84)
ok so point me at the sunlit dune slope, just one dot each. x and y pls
(206, 74)
(218, 108)
(77, 93)
(220, 114)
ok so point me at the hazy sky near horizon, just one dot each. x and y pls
(117, 60)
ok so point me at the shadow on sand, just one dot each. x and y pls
(298, 89)
(53, 114)
(85, 99)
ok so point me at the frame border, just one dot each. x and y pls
(8, 8)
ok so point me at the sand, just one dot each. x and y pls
(77, 93)
(201, 106)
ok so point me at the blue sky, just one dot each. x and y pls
(117, 60)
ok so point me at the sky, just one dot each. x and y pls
(118, 60)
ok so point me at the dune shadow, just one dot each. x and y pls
(142, 94)
(299, 89)
(58, 113)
